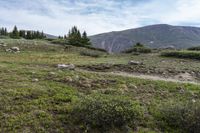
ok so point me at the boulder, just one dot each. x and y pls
(66, 66)
(13, 49)
(132, 62)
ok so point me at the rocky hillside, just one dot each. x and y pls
(154, 36)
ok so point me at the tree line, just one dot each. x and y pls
(16, 34)
(76, 38)
(3, 31)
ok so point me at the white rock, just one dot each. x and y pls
(15, 49)
(35, 80)
(66, 66)
(2, 45)
(193, 100)
(8, 50)
(134, 62)
(52, 73)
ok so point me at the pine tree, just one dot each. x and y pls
(74, 37)
(28, 35)
(42, 36)
(5, 32)
(22, 33)
(15, 33)
(85, 39)
(1, 31)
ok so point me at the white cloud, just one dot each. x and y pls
(96, 16)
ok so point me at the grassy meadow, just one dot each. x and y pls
(36, 96)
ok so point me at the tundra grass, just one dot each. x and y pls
(43, 105)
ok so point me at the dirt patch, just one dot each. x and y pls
(142, 71)
(150, 77)
(185, 77)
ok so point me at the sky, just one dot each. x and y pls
(96, 16)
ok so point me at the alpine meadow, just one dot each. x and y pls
(109, 66)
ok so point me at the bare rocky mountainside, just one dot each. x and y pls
(154, 36)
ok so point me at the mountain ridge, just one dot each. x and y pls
(154, 36)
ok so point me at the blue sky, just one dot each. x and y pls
(96, 16)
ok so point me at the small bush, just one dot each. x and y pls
(138, 48)
(105, 112)
(182, 54)
(90, 53)
(182, 117)
(59, 41)
(194, 48)
(93, 48)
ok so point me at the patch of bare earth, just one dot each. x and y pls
(143, 72)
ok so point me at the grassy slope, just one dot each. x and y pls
(28, 106)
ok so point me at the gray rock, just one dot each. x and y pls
(13, 50)
(2, 45)
(66, 66)
(132, 62)
(52, 73)
(35, 80)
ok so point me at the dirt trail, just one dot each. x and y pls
(142, 76)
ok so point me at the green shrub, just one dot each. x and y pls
(194, 48)
(138, 48)
(93, 48)
(182, 117)
(182, 54)
(59, 41)
(90, 53)
(104, 112)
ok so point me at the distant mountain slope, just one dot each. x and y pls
(50, 36)
(154, 36)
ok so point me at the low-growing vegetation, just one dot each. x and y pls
(105, 112)
(37, 96)
(178, 116)
(138, 48)
(194, 48)
(90, 53)
(182, 54)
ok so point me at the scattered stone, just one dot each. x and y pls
(69, 79)
(8, 50)
(184, 76)
(13, 50)
(193, 100)
(87, 85)
(181, 91)
(52, 73)
(77, 77)
(133, 86)
(35, 80)
(66, 66)
(163, 73)
(132, 62)
(124, 87)
(33, 72)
